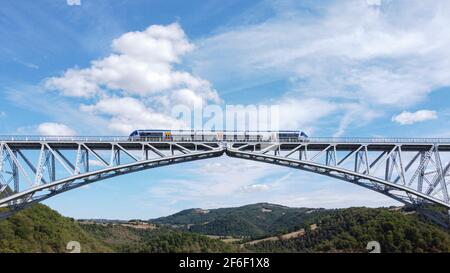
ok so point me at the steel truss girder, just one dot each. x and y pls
(364, 172)
(79, 173)
(424, 178)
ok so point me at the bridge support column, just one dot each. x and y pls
(448, 218)
(52, 168)
(86, 160)
(15, 174)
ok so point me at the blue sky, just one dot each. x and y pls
(336, 68)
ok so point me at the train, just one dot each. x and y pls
(203, 135)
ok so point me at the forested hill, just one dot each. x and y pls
(253, 228)
(284, 229)
(255, 220)
(349, 230)
(41, 229)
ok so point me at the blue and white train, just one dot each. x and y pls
(202, 135)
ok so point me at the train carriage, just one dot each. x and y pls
(148, 135)
(203, 135)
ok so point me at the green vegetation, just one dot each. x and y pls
(179, 242)
(349, 230)
(256, 220)
(41, 229)
(159, 240)
(337, 230)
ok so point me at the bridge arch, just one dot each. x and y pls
(363, 180)
(414, 183)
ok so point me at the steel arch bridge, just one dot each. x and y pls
(34, 168)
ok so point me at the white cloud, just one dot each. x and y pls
(303, 113)
(310, 113)
(2, 114)
(232, 182)
(141, 65)
(405, 117)
(216, 178)
(156, 45)
(356, 115)
(335, 195)
(126, 114)
(27, 64)
(54, 129)
(73, 2)
(349, 52)
(74, 83)
(137, 85)
(255, 188)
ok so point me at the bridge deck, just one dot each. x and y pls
(313, 143)
(410, 170)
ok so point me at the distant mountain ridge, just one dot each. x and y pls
(266, 227)
(258, 228)
(254, 220)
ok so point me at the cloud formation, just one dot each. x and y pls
(255, 188)
(230, 182)
(217, 178)
(126, 114)
(73, 2)
(54, 129)
(141, 65)
(138, 73)
(407, 118)
(380, 55)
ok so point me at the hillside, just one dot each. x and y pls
(349, 230)
(41, 229)
(255, 220)
(252, 228)
(124, 238)
(274, 228)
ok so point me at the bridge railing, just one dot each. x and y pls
(20, 138)
(23, 138)
(377, 140)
